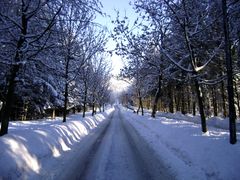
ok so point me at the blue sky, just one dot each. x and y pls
(109, 7)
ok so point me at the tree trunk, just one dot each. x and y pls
(93, 109)
(201, 108)
(170, 96)
(84, 108)
(149, 102)
(214, 99)
(232, 111)
(177, 101)
(237, 96)
(224, 109)
(194, 108)
(188, 99)
(140, 106)
(65, 102)
(238, 51)
(25, 111)
(53, 113)
(66, 87)
(85, 100)
(7, 106)
(157, 96)
(183, 101)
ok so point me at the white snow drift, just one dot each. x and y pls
(30, 144)
(40, 150)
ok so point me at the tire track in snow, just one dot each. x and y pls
(157, 170)
(116, 157)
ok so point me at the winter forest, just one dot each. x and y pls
(171, 112)
(181, 56)
(52, 59)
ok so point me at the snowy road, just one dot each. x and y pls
(115, 156)
(117, 144)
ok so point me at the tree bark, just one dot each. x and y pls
(214, 102)
(25, 111)
(237, 96)
(66, 87)
(201, 108)
(65, 102)
(140, 106)
(231, 106)
(183, 110)
(7, 106)
(223, 100)
(194, 108)
(238, 55)
(93, 109)
(157, 96)
(53, 113)
(85, 99)
(177, 100)
(170, 96)
(188, 99)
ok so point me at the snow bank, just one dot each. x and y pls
(29, 144)
(217, 122)
(187, 152)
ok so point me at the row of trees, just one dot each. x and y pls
(182, 51)
(52, 55)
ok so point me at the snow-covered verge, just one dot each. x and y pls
(217, 122)
(31, 147)
(185, 150)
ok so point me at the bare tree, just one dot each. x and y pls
(25, 31)
(74, 23)
(228, 56)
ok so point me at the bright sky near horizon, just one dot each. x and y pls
(110, 7)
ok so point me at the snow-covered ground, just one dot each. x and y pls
(120, 155)
(218, 122)
(50, 149)
(185, 150)
(43, 149)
